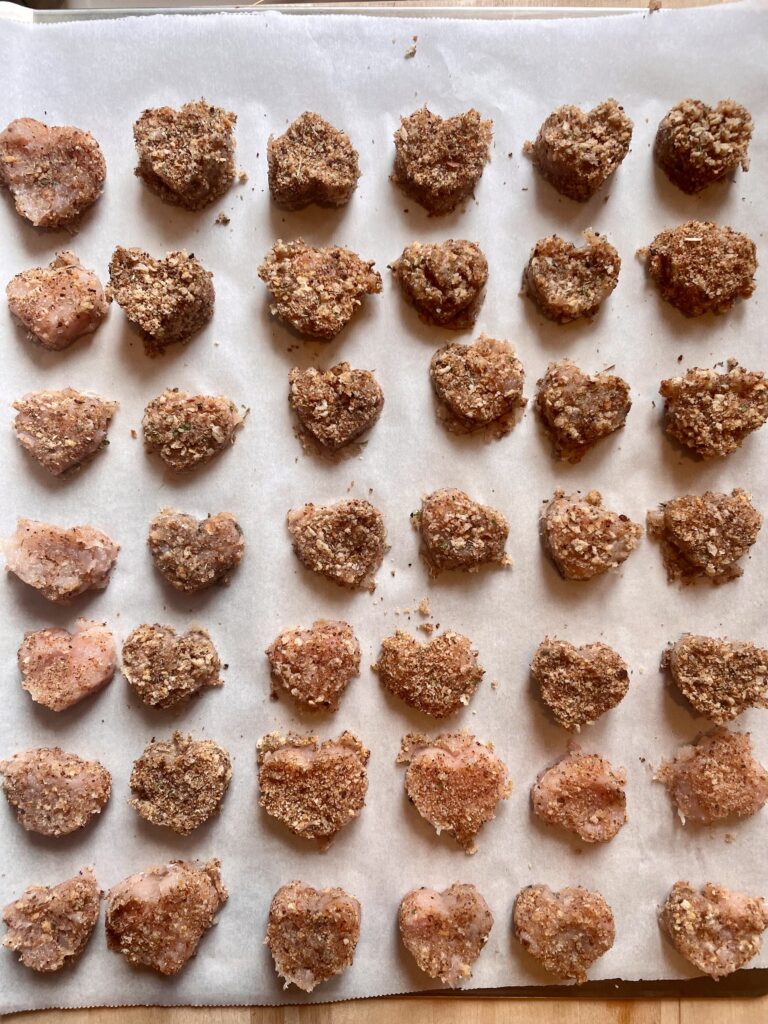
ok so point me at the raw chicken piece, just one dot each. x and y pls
(49, 926)
(716, 929)
(312, 934)
(165, 668)
(445, 931)
(455, 783)
(61, 429)
(157, 917)
(53, 792)
(59, 303)
(58, 668)
(715, 778)
(315, 665)
(61, 563)
(194, 554)
(53, 173)
(584, 794)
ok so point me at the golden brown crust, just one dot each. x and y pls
(335, 406)
(478, 385)
(697, 145)
(700, 267)
(165, 668)
(313, 788)
(584, 794)
(459, 533)
(317, 290)
(344, 542)
(186, 156)
(577, 151)
(195, 554)
(443, 281)
(437, 677)
(312, 934)
(720, 678)
(579, 684)
(311, 162)
(583, 537)
(62, 429)
(568, 282)
(565, 931)
(438, 162)
(315, 666)
(704, 536)
(188, 430)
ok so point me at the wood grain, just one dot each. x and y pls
(442, 1010)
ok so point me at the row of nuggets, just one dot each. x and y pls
(157, 918)
(699, 267)
(477, 387)
(186, 156)
(702, 537)
(315, 788)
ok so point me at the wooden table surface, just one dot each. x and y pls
(444, 1010)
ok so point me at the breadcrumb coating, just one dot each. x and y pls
(180, 783)
(445, 932)
(156, 918)
(62, 429)
(313, 788)
(167, 300)
(700, 267)
(704, 536)
(344, 542)
(584, 794)
(53, 173)
(166, 668)
(53, 792)
(712, 413)
(720, 678)
(316, 290)
(49, 925)
(455, 783)
(58, 668)
(443, 281)
(459, 533)
(186, 156)
(566, 931)
(577, 151)
(315, 666)
(716, 929)
(568, 282)
(437, 677)
(715, 778)
(578, 409)
(335, 406)
(583, 537)
(697, 145)
(579, 684)
(439, 161)
(312, 934)
(478, 385)
(188, 430)
(311, 162)
(195, 554)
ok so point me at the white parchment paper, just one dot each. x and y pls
(268, 69)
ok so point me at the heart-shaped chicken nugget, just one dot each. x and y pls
(459, 533)
(192, 553)
(697, 145)
(437, 677)
(438, 162)
(315, 665)
(565, 931)
(62, 429)
(584, 794)
(454, 782)
(567, 281)
(313, 788)
(583, 537)
(335, 406)
(478, 384)
(311, 162)
(716, 929)
(576, 151)
(721, 678)
(579, 684)
(165, 668)
(445, 931)
(166, 300)
(578, 409)
(443, 281)
(312, 934)
(344, 542)
(188, 430)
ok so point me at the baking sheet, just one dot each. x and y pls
(100, 75)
